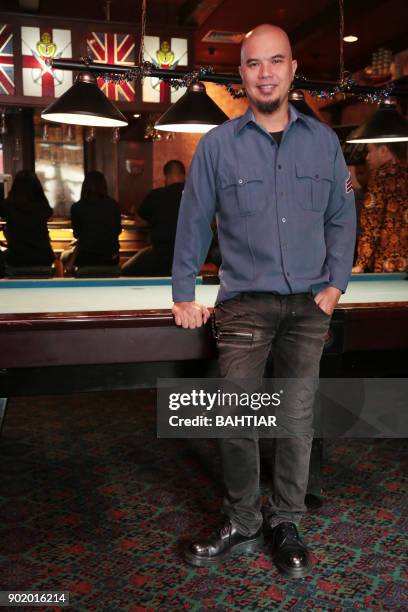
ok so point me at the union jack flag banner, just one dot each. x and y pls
(6, 61)
(37, 46)
(119, 49)
(168, 54)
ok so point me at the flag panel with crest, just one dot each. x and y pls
(6, 60)
(39, 44)
(167, 54)
(119, 49)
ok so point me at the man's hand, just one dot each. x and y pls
(190, 314)
(357, 269)
(327, 299)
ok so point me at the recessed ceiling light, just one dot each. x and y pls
(136, 115)
(350, 38)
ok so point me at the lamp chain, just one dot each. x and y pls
(142, 33)
(341, 36)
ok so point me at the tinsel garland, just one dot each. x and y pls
(148, 70)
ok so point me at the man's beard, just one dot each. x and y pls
(267, 108)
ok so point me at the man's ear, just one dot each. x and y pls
(294, 67)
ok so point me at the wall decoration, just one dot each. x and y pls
(38, 46)
(6, 61)
(119, 49)
(166, 54)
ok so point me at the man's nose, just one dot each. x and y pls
(265, 70)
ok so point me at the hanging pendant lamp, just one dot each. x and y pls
(385, 125)
(195, 111)
(84, 104)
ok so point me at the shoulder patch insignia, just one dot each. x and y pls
(349, 184)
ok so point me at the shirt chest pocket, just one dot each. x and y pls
(313, 185)
(241, 194)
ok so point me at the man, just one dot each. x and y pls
(362, 174)
(383, 239)
(160, 209)
(279, 185)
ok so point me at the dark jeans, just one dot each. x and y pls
(148, 262)
(248, 327)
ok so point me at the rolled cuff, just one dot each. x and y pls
(183, 290)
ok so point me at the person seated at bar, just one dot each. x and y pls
(383, 240)
(362, 174)
(26, 211)
(160, 209)
(96, 225)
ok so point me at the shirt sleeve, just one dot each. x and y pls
(340, 225)
(75, 220)
(194, 234)
(118, 218)
(145, 209)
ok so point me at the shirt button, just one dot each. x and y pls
(279, 167)
(288, 274)
(281, 193)
(283, 219)
(316, 176)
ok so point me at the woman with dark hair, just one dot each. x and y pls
(26, 212)
(96, 223)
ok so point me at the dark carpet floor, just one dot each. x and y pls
(91, 502)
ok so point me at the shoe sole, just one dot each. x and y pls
(242, 548)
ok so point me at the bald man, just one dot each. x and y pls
(279, 185)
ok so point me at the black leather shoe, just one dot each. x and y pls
(226, 542)
(289, 553)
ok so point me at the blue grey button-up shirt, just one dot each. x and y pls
(285, 215)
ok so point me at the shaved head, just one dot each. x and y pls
(265, 30)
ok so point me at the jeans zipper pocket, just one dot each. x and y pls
(232, 336)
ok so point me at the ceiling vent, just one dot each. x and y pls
(218, 36)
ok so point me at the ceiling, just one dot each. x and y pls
(313, 26)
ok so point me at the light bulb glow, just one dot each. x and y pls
(198, 128)
(82, 119)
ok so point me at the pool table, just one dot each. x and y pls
(61, 335)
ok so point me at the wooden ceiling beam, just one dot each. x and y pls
(195, 12)
(29, 6)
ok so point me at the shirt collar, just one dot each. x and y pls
(249, 117)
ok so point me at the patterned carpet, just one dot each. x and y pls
(92, 503)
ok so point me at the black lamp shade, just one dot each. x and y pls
(195, 111)
(385, 125)
(84, 104)
(297, 99)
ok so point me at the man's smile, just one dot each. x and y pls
(266, 88)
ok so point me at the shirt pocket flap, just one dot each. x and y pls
(241, 192)
(234, 179)
(306, 169)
